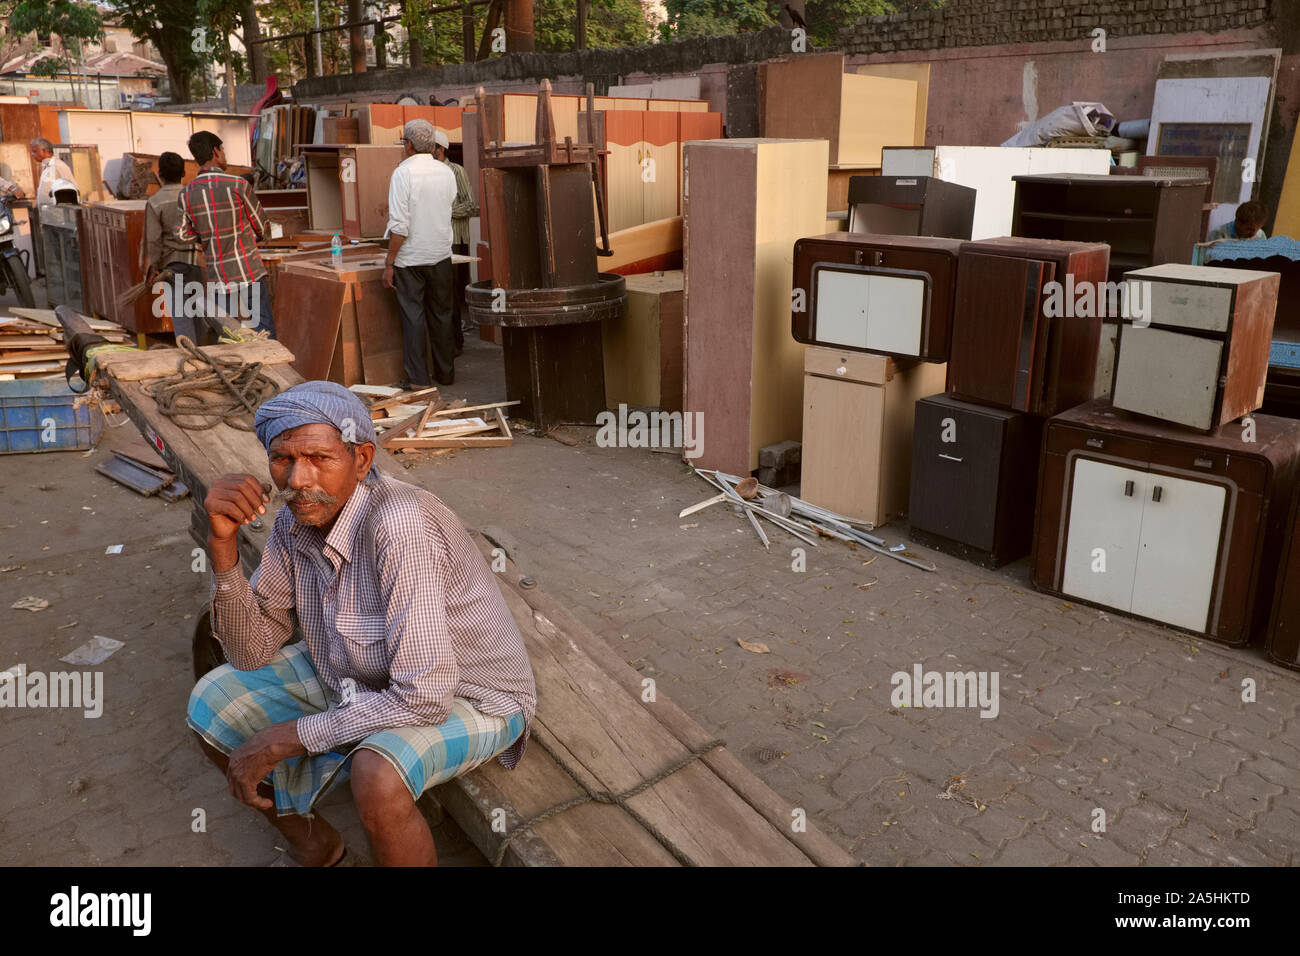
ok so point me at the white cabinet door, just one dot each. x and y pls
(1101, 545)
(870, 311)
(1178, 551)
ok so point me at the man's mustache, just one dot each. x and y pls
(307, 496)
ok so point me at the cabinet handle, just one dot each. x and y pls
(1095, 443)
(1128, 489)
(1156, 492)
(949, 457)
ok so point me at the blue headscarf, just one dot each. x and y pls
(316, 403)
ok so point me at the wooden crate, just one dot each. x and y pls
(746, 202)
(643, 347)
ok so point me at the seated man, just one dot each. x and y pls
(1247, 224)
(411, 671)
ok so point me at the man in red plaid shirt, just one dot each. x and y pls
(221, 211)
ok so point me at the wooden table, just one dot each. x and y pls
(590, 709)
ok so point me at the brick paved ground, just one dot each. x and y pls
(1096, 711)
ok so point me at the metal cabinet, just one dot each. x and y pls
(1162, 523)
(59, 226)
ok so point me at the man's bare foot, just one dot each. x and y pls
(324, 846)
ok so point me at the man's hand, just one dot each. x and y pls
(232, 501)
(235, 500)
(257, 757)
(388, 277)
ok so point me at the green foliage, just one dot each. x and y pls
(70, 20)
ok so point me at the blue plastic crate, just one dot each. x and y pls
(29, 407)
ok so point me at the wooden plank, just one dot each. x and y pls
(919, 73)
(159, 363)
(649, 247)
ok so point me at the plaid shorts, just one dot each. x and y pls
(227, 706)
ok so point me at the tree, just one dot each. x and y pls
(69, 20)
(176, 29)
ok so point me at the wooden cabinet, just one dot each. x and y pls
(1010, 347)
(345, 325)
(643, 160)
(347, 188)
(876, 293)
(857, 430)
(1199, 354)
(110, 250)
(746, 203)
(974, 477)
(643, 346)
(1146, 221)
(910, 206)
(1284, 623)
(1162, 523)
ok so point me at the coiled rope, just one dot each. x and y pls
(212, 391)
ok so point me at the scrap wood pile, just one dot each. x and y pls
(31, 343)
(422, 419)
(796, 517)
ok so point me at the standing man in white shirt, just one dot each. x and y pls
(52, 170)
(420, 197)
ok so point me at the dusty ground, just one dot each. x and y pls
(1097, 712)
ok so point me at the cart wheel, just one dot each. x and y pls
(208, 653)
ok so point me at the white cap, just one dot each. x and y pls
(440, 138)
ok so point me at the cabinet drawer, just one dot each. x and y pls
(1186, 305)
(1248, 472)
(847, 365)
(1062, 439)
(884, 311)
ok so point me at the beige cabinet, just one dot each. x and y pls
(858, 411)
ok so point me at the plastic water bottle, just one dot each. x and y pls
(336, 252)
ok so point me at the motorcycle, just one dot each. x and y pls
(13, 261)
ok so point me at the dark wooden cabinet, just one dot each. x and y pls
(1198, 353)
(892, 295)
(347, 187)
(974, 476)
(111, 239)
(1011, 346)
(1284, 623)
(1162, 523)
(910, 206)
(1146, 221)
